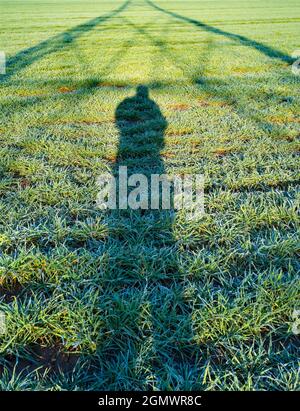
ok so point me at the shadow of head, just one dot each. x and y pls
(142, 92)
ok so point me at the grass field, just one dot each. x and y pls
(131, 300)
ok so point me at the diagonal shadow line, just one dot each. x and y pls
(28, 56)
(83, 92)
(261, 47)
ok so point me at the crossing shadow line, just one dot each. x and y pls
(30, 55)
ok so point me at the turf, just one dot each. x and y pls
(97, 300)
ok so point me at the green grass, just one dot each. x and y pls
(98, 300)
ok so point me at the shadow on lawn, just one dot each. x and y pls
(261, 47)
(146, 262)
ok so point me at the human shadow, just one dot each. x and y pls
(261, 47)
(146, 252)
(26, 57)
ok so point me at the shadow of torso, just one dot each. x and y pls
(141, 126)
